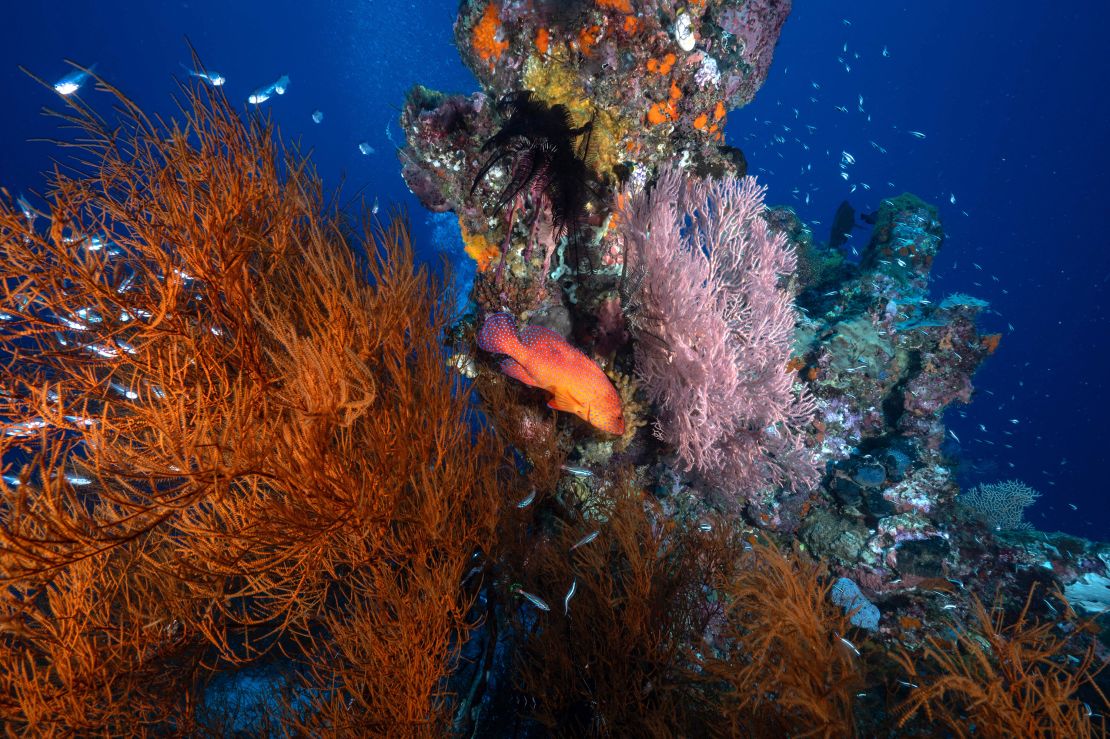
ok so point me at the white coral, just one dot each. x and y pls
(1090, 593)
(684, 32)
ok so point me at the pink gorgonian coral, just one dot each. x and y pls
(715, 326)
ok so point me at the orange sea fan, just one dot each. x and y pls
(231, 428)
(787, 668)
(1004, 680)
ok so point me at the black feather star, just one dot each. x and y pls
(538, 144)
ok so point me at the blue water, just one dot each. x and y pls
(1009, 96)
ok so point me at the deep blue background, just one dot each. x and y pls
(1011, 97)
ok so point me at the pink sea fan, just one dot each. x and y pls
(715, 328)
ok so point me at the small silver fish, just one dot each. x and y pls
(26, 209)
(578, 471)
(527, 500)
(916, 134)
(263, 94)
(849, 644)
(213, 78)
(569, 595)
(317, 116)
(535, 600)
(72, 82)
(585, 540)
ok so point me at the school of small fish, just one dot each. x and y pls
(73, 81)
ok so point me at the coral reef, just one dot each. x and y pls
(795, 394)
(242, 463)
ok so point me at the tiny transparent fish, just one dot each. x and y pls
(317, 116)
(585, 540)
(366, 149)
(25, 208)
(916, 134)
(535, 600)
(213, 78)
(72, 82)
(263, 94)
(577, 471)
(527, 500)
(569, 595)
(849, 644)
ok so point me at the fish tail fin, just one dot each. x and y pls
(498, 334)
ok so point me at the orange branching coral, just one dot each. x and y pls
(613, 656)
(87, 653)
(485, 35)
(788, 669)
(224, 432)
(1004, 680)
(523, 426)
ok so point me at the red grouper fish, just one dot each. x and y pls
(542, 358)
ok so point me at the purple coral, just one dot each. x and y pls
(715, 329)
(756, 26)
